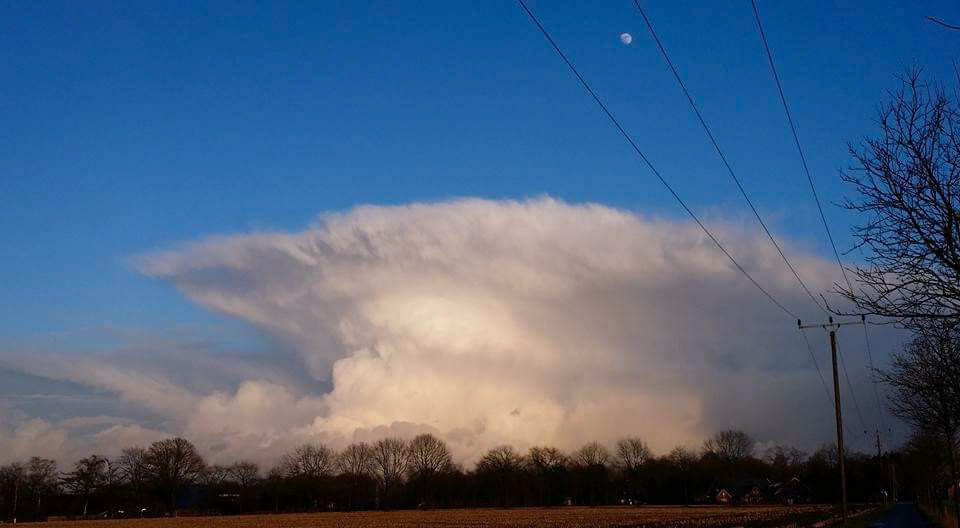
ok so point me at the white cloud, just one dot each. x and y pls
(66, 440)
(493, 322)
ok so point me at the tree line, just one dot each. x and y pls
(170, 476)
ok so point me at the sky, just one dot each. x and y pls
(366, 214)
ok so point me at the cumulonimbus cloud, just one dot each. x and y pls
(491, 322)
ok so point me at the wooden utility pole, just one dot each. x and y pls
(836, 402)
(893, 481)
(880, 460)
(832, 328)
(891, 470)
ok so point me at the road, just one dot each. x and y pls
(903, 515)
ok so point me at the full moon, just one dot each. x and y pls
(626, 38)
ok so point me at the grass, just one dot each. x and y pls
(622, 517)
(935, 520)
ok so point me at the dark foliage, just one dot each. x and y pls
(420, 474)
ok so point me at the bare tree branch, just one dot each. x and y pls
(908, 192)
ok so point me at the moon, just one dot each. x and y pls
(626, 38)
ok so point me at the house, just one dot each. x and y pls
(723, 497)
(789, 492)
(746, 491)
(752, 494)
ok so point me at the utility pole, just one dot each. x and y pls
(888, 461)
(836, 401)
(893, 481)
(880, 461)
(832, 328)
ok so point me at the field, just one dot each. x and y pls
(652, 516)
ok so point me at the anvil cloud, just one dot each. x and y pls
(484, 322)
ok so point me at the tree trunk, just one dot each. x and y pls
(543, 491)
(173, 503)
(953, 475)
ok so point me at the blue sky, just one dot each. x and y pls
(135, 127)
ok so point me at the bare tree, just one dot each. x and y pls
(925, 377)
(390, 459)
(501, 464)
(309, 460)
(924, 463)
(546, 458)
(14, 477)
(246, 475)
(355, 459)
(592, 454)
(501, 457)
(356, 463)
(172, 464)
(683, 460)
(729, 445)
(908, 188)
(594, 460)
(786, 461)
(42, 478)
(214, 476)
(132, 468)
(632, 453)
(548, 464)
(89, 475)
(428, 455)
(308, 466)
(274, 484)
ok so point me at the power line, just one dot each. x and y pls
(873, 378)
(796, 140)
(942, 23)
(826, 391)
(813, 190)
(723, 158)
(853, 394)
(647, 161)
(740, 187)
(823, 381)
(813, 356)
